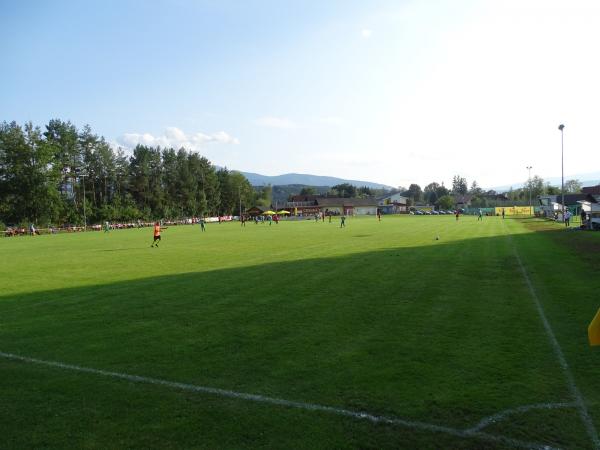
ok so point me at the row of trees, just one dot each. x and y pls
(430, 194)
(344, 190)
(59, 174)
(537, 186)
(439, 195)
(65, 175)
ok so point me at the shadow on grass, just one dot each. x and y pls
(445, 333)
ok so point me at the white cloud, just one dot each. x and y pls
(276, 122)
(176, 138)
(175, 134)
(366, 33)
(224, 138)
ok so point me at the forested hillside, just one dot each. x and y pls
(59, 173)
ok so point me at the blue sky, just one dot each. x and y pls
(388, 91)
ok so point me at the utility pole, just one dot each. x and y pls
(529, 182)
(562, 170)
(84, 218)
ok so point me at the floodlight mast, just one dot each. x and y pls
(561, 127)
(529, 182)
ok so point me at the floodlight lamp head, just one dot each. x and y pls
(560, 127)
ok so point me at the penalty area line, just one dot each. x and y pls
(575, 392)
(359, 415)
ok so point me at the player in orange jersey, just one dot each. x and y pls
(157, 230)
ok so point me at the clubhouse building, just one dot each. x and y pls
(392, 204)
(309, 205)
(552, 204)
(303, 205)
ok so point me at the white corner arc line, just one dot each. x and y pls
(581, 406)
(502, 415)
(288, 403)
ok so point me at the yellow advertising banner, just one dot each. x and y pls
(514, 210)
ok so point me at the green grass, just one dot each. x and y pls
(378, 317)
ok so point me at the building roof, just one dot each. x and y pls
(338, 201)
(464, 199)
(396, 194)
(594, 190)
(380, 199)
(591, 199)
(304, 198)
(258, 209)
(570, 199)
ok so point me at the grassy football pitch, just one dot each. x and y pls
(372, 336)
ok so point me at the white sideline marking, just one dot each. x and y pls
(288, 403)
(495, 418)
(583, 411)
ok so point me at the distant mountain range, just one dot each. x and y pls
(257, 179)
(586, 179)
